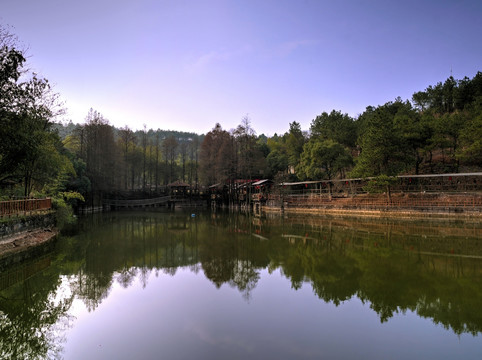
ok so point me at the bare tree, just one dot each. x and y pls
(169, 146)
(127, 139)
(144, 154)
(183, 152)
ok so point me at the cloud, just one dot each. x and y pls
(289, 47)
(213, 57)
(209, 58)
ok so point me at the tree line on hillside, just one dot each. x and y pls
(438, 131)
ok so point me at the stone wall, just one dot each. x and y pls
(26, 223)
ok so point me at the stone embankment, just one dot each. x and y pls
(399, 205)
(15, 225)
(25, 245)
(24, 237)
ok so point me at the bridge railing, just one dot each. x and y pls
(18, 207)
(140, 202)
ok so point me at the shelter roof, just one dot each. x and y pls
(262, 182)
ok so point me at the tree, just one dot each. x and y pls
(322, 159)
(101, 155)
(447, 133)
(251, 161)
(470, 150)
(217, 156)
(277, 161)
(169, 146)
(157, 159)
(335, 126)
(414, 131)
(127, 140)
(294, 143)
(421, 100)
(27, 110)
(193, 161)
(383, 148)
(144, 155)
(183, 152)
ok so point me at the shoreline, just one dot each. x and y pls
(378, 214)
(17, 247)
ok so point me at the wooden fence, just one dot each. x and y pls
(25, 206)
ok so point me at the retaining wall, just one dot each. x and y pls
(21, 224)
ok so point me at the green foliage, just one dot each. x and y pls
(29, 149)
(384, 149)
(72, 197)
(295, 141)
(322, 159)
(379, 184)
(277, 161)
(335, 126)
(63, 212)
(470, 150)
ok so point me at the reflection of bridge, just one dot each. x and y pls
(140, 203)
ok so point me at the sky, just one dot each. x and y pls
(187, 65)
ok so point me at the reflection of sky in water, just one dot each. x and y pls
(185, 317)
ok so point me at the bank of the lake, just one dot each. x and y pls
(27, 245)
(27, 236)
(387, 213)
(443, 206)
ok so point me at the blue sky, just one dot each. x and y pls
(185, 65)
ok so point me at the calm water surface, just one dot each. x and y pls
(151, 285)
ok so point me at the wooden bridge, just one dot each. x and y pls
(141, 203)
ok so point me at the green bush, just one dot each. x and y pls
(63, 212)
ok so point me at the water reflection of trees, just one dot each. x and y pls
(393, 270)
(32, 318)
(384, 264)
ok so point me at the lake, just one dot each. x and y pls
(228, 285)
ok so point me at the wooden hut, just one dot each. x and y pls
(178, 189)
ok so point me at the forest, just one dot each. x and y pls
(439, 130)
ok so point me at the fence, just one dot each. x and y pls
(444, 203)
(17, 207)
(432, 183)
